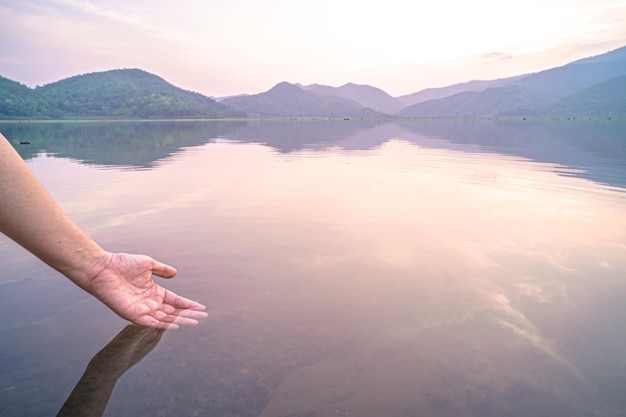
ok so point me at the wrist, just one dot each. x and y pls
(90, 263)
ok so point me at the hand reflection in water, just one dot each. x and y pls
(92, 393)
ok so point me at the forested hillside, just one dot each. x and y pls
(17, 100)
(126, 93)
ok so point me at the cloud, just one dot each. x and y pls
(496, 55)
(87, 9)
(224, 48)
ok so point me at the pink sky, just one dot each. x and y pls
(243, 46)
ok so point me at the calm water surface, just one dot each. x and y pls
(350, 268)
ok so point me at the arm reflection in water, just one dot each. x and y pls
(92, 393)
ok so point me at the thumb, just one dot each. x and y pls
(162, 270)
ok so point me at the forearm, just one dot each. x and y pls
(30, 216)
(121, 281)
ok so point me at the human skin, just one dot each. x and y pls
(123, 282)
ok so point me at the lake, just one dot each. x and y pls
(350, 268)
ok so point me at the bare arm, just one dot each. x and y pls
(30, 216)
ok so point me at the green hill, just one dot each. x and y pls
(17, 100)
(125, 93)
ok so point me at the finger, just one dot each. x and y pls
(194, 314)
(181, 321)
(177, 320)
(166, 326)
(181, 302)
(162, 270)
(167, 309)
(149, 321)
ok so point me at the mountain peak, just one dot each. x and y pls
(369, 96)
(290, 100)
(285, 86)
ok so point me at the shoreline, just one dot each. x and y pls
(316, 118)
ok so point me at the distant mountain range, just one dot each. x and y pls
(594, 86)
(367, 96)
(574, 89)
(289, 100)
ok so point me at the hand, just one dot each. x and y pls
(124, 283)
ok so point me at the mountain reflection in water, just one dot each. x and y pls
(431, 268)
(581, 145)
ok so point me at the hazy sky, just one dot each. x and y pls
(229, 47)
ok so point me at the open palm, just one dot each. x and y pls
(126, 286)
